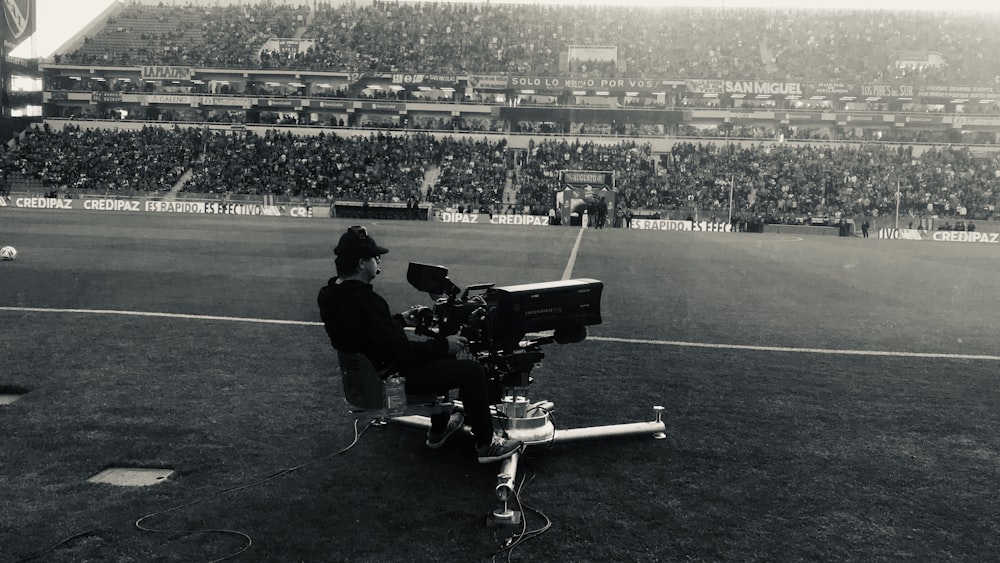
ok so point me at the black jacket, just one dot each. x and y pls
(358, 320)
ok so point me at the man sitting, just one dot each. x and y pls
(358, 320)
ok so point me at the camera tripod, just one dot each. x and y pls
(531, 423)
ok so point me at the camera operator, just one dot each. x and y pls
(358, 320)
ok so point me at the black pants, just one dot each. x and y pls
(468, 377)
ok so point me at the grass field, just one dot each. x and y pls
(827, 398)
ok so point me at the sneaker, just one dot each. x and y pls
(499, 448)
(437, 439)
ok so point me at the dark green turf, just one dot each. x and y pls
(771, 456)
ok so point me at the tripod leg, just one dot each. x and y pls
(503, 515)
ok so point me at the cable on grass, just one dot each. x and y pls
(245, 537)
(512, 542)
(56, 545)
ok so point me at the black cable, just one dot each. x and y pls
(56, 545)
(249, 540)
(525, 535)
(246, 537)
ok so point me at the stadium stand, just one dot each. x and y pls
(838, 45)
(780, 180)
(842, 157)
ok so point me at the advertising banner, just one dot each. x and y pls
(829, 89)
(644, 85)
(484, 219)
(962, 121)
(919, 120)
(442, 79)
(488, 81)
(798, 116)
(661, 225)
(106, 97)
(382, 106)
(279, 103)
(165, 72)
(327, 104)
(677, 225)
(878, 90)
(974, 237)
(229, 101)
(705, 86)
(959, 92)
(41, 203)
(762, 87)
(177, 99)
(197, 207)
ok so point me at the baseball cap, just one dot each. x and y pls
(356, 242)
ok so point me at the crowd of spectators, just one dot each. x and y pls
(149, 160)
(230, 36)
(376, 168)
(654, 42)
(775, 180)
(471, 173)
(539, 174)
(788, 180)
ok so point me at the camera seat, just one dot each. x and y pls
(364, 389)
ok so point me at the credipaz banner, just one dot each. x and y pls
(975, 237)
(484, 219)
(149, 206)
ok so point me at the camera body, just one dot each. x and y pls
(503, 323)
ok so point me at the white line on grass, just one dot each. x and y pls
(672, 343)
(155, 314)
(572, 255)
(832, 351)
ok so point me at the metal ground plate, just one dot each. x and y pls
(131, 476)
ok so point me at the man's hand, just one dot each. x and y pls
(411, 317)
(457, 344)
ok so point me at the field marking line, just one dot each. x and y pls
(672, 343)
(568, 272)
(831, 351)
(164, 315)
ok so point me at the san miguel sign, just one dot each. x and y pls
(19, 21)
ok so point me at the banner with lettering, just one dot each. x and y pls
(878, 90)
(289, 47)
(440, 79)
(484, 219)
(677, 225)
(643, 85)
(19, 21)
(166, 72)
(155, 206)
(762, 87)
(959, 92)
(488, 81)
(971, 237)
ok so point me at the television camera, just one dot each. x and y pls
(504, 324)
(506, 328)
